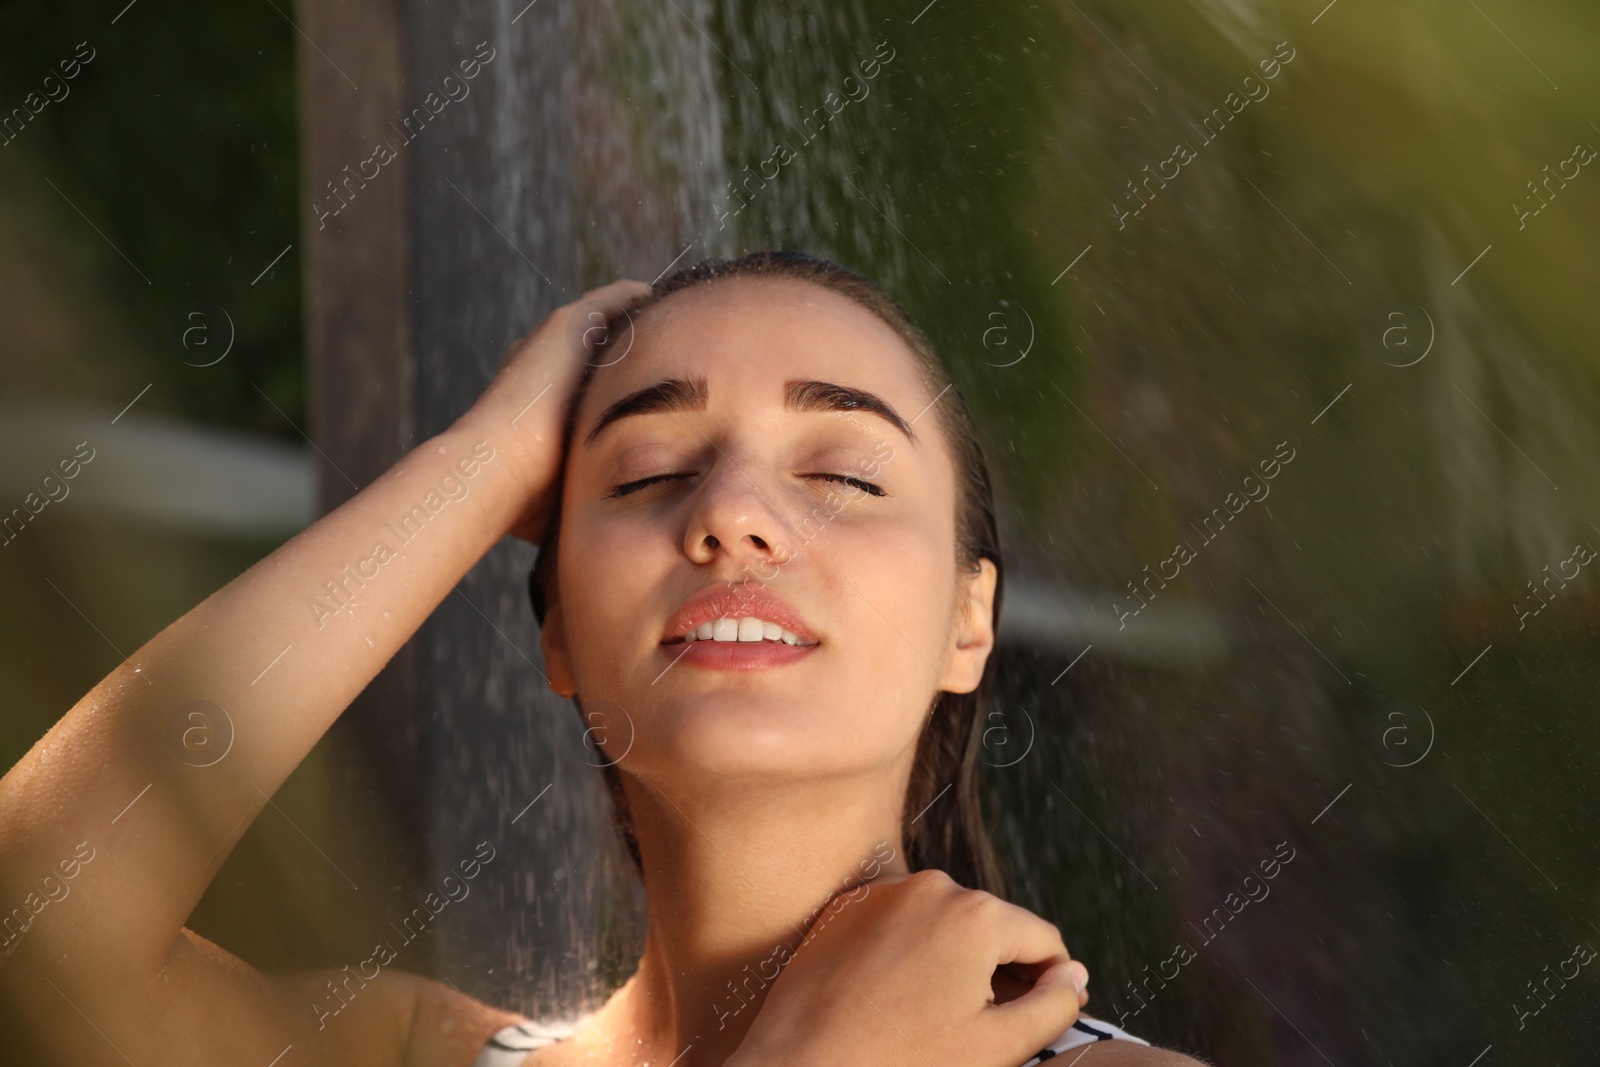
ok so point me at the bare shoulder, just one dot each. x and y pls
(384, 1017)
(1115, 1053)
(397, 1018)
(447, 1028)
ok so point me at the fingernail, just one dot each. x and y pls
(1080, 976)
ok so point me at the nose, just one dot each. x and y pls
(738, 513)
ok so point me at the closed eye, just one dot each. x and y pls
(846, 479)
(633, 487)
(849, 480)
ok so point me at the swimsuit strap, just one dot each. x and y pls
(1085, 1031)
(510, 1046)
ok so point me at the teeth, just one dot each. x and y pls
(747, 628)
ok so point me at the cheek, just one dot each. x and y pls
(896, 591)
(604, 570)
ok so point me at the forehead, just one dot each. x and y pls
(747, 336)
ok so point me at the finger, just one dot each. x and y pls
(1031, 972)
(590, 318)
(1040, 1015)
(612, 298)
(621, 285)
(1025, 938)
(609, 299)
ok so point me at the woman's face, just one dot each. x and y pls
(732, 482)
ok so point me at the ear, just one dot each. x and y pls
(972, 638)
(553, 643)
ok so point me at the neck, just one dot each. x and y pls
(735, 874)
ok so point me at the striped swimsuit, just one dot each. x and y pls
(511, 1046)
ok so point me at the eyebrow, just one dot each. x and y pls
(669, 394)
(799, 395)
(808, 395)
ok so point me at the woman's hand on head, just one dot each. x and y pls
(904, 973)
(525, 404)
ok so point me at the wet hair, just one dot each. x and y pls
(951, 834)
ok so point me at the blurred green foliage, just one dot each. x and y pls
(178, 142)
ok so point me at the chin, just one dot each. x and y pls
(735, 736)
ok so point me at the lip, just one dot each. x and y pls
(735, 655)
(735, 601)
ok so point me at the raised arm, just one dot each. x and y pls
(120, 813)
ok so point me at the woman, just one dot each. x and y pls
(769, 793)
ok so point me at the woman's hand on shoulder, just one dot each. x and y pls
(525, 404)
(902, 971)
